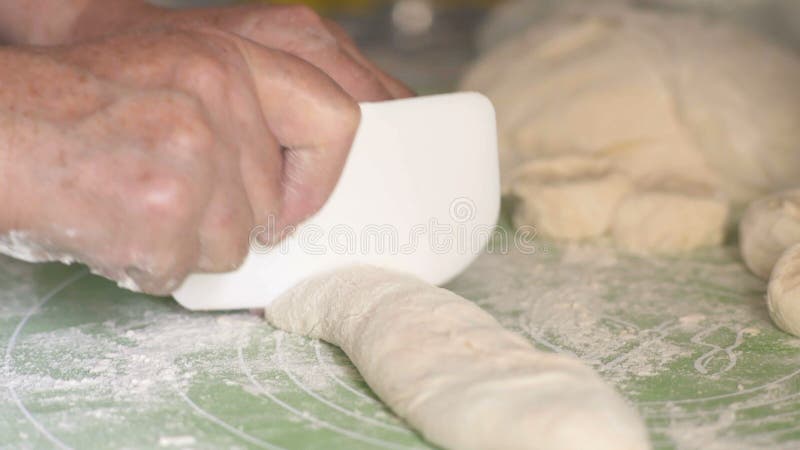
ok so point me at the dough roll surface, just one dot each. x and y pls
(452, 371)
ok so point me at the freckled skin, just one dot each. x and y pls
(163, 137)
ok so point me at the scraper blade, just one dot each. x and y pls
(419, 193)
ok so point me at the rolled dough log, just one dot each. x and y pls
(769, 226)
(783, 295)
(452, 371)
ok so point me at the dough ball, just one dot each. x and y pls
(769, 226)
(513, 17)
(664, 221)
(778, 19)
(655, 93)
(783, 294)
(568, 198)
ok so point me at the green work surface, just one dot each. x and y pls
(688, 341)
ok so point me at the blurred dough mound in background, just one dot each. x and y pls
(697, 114)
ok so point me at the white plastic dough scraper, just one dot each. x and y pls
(420, 193)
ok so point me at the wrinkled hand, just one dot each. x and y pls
(152, 155)
(297, 30)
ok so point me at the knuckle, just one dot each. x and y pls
(348, 120)
(166, 196)
(304, 14)
(161, 277)
(189, 126)
(202, 72)
(296, 28)
(156, 263)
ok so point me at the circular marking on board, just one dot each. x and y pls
(354, 414)
(336, 379)
(306, 416)
(12, 342)
(228, 427)
(52, 438)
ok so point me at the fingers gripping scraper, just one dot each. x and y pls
(419, 193)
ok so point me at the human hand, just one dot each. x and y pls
(152, 155)
(297, 30)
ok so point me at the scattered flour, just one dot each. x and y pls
(135, 361)
(20, 245)
(666, 331)
(658, 328)
(176, 441)
(23, 246)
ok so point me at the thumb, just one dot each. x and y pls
(313, 119)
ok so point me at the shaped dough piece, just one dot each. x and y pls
(657, 93)
(451, 371)
(567, 198)
(783, 295)
(664, 221)
(769, 226)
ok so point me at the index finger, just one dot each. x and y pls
(313, 119)
(395, 87)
